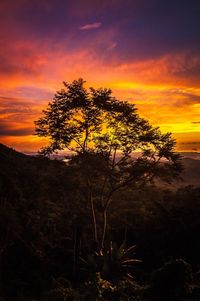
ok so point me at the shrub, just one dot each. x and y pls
(171, 281)
(113, 263)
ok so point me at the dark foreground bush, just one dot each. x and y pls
(170, 282)
(97, 289)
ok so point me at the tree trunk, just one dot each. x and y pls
(94, 219)
(104, 226)
(76, 252)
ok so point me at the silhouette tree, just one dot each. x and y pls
(110, 145)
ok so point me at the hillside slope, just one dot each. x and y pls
(191, 173)
(31, 177)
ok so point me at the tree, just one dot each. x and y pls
(110, 145)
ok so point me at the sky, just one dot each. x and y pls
(146, 51)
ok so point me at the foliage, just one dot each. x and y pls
(104, 290)
(114, 263)
(98, 123)
(99, 288)
(42, 210)
(171, 282)
(62, 290)
(111, 143)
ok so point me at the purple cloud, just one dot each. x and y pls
(89, 26)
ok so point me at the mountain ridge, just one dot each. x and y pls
(12, 161)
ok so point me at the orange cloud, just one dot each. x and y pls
(160, 87)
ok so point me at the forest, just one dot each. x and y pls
(114, 221)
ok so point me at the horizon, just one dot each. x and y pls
(63, 153)
(147, 52)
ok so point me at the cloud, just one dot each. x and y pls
(196, 122)
(112, 45)
(10, 127)
(146, 52)
(16, 132)
(181, 97)
(89, 26)
(10, 106)
(17, 117)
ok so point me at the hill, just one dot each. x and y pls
(20, 168)
(191, 173)
(46, 224)
(30, 176)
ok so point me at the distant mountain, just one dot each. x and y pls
(191, 173)
(192, 155)
(34, 175)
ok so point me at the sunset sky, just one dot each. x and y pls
(146, 51)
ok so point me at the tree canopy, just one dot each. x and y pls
(95, 121)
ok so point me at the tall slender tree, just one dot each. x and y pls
(109, 143)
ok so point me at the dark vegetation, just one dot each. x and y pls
(100, 227)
